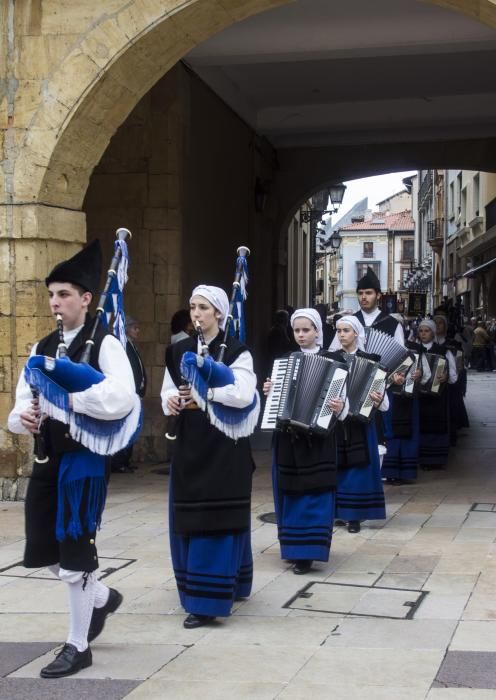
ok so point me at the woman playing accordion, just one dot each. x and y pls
(360, 494)
(304, 470)
(211, 471)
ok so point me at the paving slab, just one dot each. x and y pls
(14, 655)
(167, 689)
(392, 634)
(474, 636)
(467, 669)
(64, 689)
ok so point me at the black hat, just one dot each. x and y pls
(83, 269)
(369, 281)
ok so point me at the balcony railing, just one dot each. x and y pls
(435, 230)
(425, 187)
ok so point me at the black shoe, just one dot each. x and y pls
(100, 614)
(302, 566)
(340, 522)
(354, 526)
(193, 621)
(68, 662)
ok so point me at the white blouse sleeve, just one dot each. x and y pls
(168, 390)
(452, 373)
(242, 392)
(23, 400)
(115, 396)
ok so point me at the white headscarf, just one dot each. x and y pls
(428, 324)
(217, 297)
(357, 327)
(312, 316)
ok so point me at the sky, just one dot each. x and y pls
(375, 188)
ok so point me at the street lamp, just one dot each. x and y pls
(335, 194)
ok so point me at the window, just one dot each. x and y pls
(368, 250)
(362, 269)
(476, 195)
(451, 212)
(407, 249)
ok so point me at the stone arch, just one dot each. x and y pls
(67, 134)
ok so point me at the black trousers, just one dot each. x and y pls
(42, 547)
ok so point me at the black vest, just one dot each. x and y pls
(384, 322)
(211, 473)
(56, 434)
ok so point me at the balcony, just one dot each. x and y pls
(425, 188)
(435, 233)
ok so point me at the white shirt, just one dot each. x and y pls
(111, 399)
(452, 373)
(238, 395)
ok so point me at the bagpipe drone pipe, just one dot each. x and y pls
(394, 356)
(202, 372)
(55, 379)
(302, 387)
(365, 377)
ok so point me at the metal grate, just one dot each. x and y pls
(108, 565)
(484, 507)
(357, 600)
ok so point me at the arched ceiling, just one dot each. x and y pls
(321, 72)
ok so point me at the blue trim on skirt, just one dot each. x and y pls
(304, 522)
(401, 459)
(360, 494)
(212, 571)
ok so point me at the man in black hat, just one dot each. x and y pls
(121, 461)
(66, 492)
(369, 294)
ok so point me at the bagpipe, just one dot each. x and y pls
(202, 372)
(55, 379)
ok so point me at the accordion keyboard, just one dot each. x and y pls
(277, 394)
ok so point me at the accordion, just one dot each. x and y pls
(365, 377)
(439, 366)
(409, 387)
(394, 357)
(302, 386)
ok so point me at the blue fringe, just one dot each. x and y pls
(230, 415)
(53, 393)
(75, 471)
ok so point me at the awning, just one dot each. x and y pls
(479, 268)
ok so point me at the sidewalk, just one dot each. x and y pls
(404, 610)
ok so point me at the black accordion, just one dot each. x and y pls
(439, 367)
(410, 387)
(302, 386)
(394, 356)
(365, 377)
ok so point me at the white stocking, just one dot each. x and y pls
(81, 603)
(101, 594)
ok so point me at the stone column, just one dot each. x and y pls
(33, 239)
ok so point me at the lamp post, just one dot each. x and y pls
(335, 194)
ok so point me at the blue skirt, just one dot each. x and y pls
(401, 459)
(212, 571)
(360, 494)
(304, 522)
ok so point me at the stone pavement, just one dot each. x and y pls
(404, 609)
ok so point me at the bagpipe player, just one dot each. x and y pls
(66, 492)
(217, 406)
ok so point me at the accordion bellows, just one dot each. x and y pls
(394, 356)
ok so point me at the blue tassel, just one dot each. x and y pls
(75, 471)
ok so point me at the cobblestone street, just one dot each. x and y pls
(404, 609)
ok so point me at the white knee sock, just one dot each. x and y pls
(101, 594)
(81, 603)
